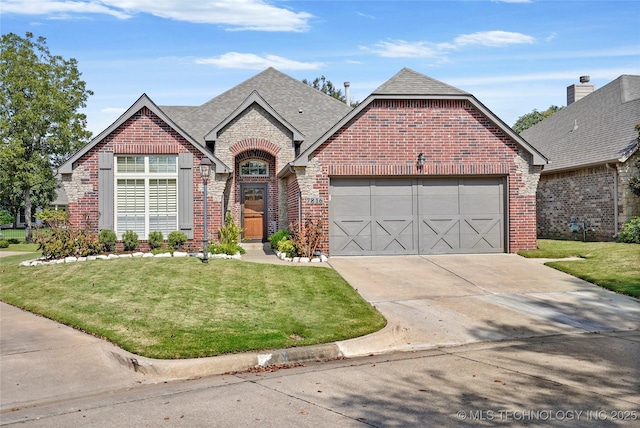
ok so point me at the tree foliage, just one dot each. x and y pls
(327, 87)
(40, 126)
(528, 120)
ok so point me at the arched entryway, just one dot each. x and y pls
(256, 194)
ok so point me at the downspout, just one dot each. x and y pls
(615, 198)
(299, 209)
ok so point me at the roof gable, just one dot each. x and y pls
(408, 84)
(297, 104)
(254, 98)
(596, 129)
(142, 102)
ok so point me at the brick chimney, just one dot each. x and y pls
(577, 92)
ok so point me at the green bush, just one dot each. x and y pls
(288, 247)
(277, 237)
(630, 232)
(229, 249)
(65, 241)
(155, 239)
(176, 240)
(13, 241)
(5, 217)
(230, 232)
(108, 240)
(130, 240)
(4, 243)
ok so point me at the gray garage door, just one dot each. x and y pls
(416, 216)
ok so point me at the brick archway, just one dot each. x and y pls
(254, 144)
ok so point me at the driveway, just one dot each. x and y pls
(435, 301)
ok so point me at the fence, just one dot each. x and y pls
(19, 233)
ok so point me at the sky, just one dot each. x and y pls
(512, 55)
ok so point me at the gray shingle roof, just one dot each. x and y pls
(598, 128)
(409, 82)
(307, 109)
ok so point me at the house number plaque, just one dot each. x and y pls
(315, 201)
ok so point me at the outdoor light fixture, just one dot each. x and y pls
(421, 159)
(205, 173)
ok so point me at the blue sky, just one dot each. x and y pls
(513, 55)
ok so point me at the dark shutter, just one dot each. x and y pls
(105, 191)
(185, 193)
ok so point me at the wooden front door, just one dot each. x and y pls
(254, 211)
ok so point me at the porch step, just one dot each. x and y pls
(255, 245)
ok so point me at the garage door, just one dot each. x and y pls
(416, 216)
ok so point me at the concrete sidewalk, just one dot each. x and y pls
(429, 302)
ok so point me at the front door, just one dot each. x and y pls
(253, 211)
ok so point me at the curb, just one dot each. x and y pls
(200, 367)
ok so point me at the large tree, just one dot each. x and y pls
(528, 120)
(40, 126)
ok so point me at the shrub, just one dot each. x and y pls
(307, 237)
(108, 240)
(65, 241)
(176, 239)
(155, 239)
(229, 249)
(4, 243)
(630, 232)
(5, 217)
(287, 247)
(277, 237)
(230, 232)
(13, 241)
(130, 240)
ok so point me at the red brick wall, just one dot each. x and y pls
(293, 200)
(456, 139)
(586, 194)
(143, 133)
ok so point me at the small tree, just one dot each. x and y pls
(528, 120)
(40, 126)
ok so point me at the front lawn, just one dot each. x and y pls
(182, 308)
(611, 265)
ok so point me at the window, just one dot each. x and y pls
(146, 194)
(254, 168)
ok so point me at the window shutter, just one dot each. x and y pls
(105, 191)
(185, 193)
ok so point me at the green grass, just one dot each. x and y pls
(28, 248)
(611, 265)
(182, 308)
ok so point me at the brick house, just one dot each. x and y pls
(419, 167)
(592, 145)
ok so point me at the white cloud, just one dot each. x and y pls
(255, 15)
(495, 39)
(114, 110)
(256, 62)
(424, 49)
(404, 49)
(59, 8)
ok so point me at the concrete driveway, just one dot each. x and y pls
(434, 301)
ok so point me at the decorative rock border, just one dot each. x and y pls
(320, 259)
(43, 262)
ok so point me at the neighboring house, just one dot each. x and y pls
(592, 145)
(419, 167)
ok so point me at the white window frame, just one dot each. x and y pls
(266, 164)
(146, 176)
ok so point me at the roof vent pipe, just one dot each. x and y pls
(346, 93)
